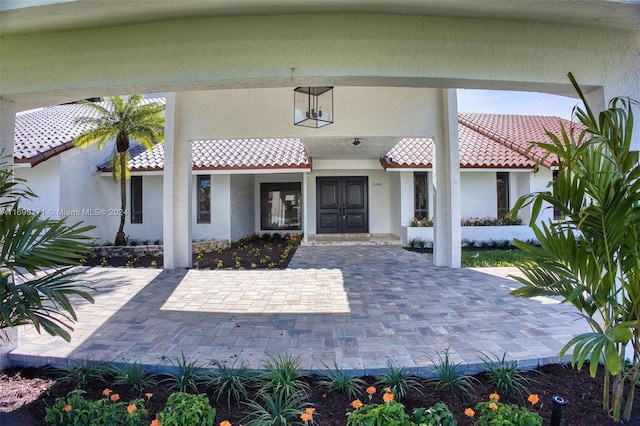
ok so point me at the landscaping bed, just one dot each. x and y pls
(27, 392)
(264, 251)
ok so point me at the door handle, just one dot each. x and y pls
(344, 211)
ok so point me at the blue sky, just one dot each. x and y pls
(505, 102)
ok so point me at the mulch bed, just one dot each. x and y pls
(268, 251)
(26, 393)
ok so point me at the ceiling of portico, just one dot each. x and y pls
(17, 16)
(342, 148)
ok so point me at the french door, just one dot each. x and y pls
(342, 205)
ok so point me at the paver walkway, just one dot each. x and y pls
(358, 306)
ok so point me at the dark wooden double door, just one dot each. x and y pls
(342, 205)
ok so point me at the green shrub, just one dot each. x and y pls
(399, 382)
(283, 375)
(185, 375)
(437, 415)
(386, 414)
(338, 380)
(82, 373)
(77, 411)
(276, 409)
(230, 382)
(134, 376)
(493, 412)
(184, 409)
(506, 378)
(448, 379)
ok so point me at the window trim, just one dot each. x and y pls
(136, 192)
(202, 216)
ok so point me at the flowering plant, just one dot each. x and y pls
(494, 412)
(76, 410)
(390, 412)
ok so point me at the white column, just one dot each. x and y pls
(446, 187)
(176, 202)
(305, 206)
(7, 130)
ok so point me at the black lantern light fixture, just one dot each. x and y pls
(313, 106)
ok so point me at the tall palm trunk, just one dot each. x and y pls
(120, 237)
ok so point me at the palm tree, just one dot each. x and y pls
(36, 264)
(123, 120)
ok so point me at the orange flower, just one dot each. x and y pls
(533, 399)
(310, 410)
(107, 392)
(494, 397)
(156, 422)
(324, 395)
(131, 408)
(305, 417)
(388, 397)
(469, 412)
(493, 406)
(115, 397)
(387, 389)
(371, 390)
(356, 404)
(225, 423)
(148, 395)
(67, 408)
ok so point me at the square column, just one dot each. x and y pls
(176, 190)
(305, 206)
(446, 187)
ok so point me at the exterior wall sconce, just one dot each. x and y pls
(313, 106)
(356, 141)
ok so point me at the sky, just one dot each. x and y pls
(505, 102)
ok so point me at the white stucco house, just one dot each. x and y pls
(283, 181)
(382, 57)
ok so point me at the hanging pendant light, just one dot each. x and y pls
(313, 106)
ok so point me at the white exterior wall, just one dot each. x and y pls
(44, 181)
(243, 206)
(478, 194)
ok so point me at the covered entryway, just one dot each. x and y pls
(342, 205)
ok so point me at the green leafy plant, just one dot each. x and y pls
(590, 257)
(185, 375)
(122, 120)
(82, 374)
(34, 288)
(76, 410)
(230, 382)
(399, 382)
(276, 409)
(184, 409)
(134, 375)
(447, 377)
(338, 380)
(390, 413)
(283, 376)
(506, 377)
(493, 412)
(436, 415)
(417, 243)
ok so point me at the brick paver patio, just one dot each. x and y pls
(359, 306)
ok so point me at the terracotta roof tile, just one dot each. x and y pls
(231, 154)
(479, 151)
(410, 153)
(45, 132)
(518, 131)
